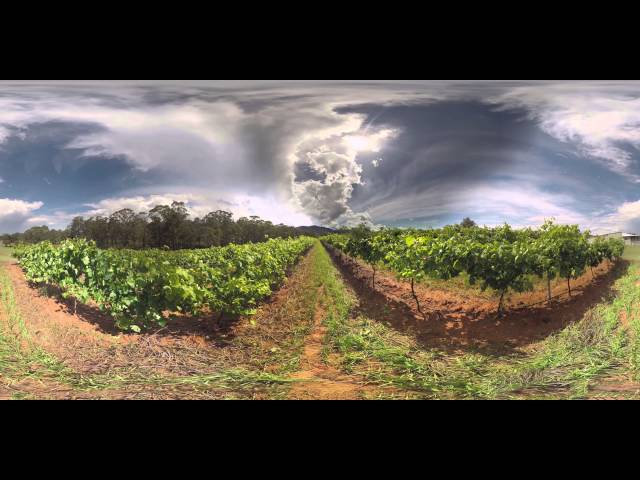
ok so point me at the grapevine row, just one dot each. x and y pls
(501, 258)
(139, 288)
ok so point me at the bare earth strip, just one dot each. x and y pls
(317, 380)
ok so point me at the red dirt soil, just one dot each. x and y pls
(463, 320)
(318, 380)
(88, 342)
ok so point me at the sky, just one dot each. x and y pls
(332, 153)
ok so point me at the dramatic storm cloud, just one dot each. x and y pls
(332, 153)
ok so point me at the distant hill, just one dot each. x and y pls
(315, 230)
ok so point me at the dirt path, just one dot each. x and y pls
(318, 380)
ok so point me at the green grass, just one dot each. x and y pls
(632, 253)
(5, 254)
(298, 311)
(19, 358)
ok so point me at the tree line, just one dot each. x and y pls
(165, 226)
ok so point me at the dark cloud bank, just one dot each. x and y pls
(394, 153)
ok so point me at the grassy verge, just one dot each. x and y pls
(632, 253)
(5, 254)
(562, 366)
(277, 338)
(20, 360)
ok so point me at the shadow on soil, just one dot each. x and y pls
(211, 327)
(218, 331)
(453, 330)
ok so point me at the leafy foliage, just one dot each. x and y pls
(500, 258)
(139, 288)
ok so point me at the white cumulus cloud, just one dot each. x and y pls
(14, 214)
(599, 118)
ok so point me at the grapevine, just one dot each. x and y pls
(502, 259)
(137, 288)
